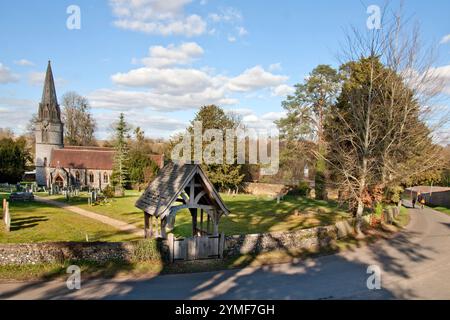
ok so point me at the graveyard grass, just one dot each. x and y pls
(249, 214)
(36, 222)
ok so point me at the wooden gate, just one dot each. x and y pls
(196, 248)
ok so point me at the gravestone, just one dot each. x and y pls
(7, 218)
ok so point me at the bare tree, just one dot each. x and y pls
(383, 128)
(79, 126)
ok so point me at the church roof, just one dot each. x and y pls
(95, 158)
(168, 185)
(82, 158)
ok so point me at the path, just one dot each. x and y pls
(122, 226)
(414, 265)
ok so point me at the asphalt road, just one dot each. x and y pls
(414, 265)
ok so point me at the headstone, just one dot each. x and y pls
(7, 218)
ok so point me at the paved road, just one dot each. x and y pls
(415, 265)
(122, 226)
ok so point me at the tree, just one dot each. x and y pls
(142, 167)
(379, 132)
(223, 176)
(14, 156)
(306, 111)
(120, 175)
(79, 126)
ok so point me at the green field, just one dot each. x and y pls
(249, 214)
(36, 222)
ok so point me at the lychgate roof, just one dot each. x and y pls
(170, 183)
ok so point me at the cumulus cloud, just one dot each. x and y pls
(163, 17)
(255, 78)
(171, 55)
(125, 100)
(445, 39)
(24, 63)
(6, 76)
(283, 90)
(12, 111)
(261, 123)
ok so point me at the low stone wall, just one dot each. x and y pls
(300, 239)
(34, 253)
(265, 189)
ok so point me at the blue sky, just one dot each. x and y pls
(158, 61)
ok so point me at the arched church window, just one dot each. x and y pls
(77, 176)
(91, 177)
(105, 178)
(45, 162)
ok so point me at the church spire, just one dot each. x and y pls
(49, 108)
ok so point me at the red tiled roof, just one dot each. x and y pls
(82, 158)
(89, 158)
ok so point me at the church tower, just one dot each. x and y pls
(49, 128)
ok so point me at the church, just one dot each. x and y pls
(68, 166)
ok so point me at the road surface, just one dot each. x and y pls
(414, 264)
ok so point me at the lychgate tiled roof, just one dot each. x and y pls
(170, 183)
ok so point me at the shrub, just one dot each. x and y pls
(302, 189)
(109, 192)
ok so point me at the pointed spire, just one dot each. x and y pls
(49, 108)
(49, 93)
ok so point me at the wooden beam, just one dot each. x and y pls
(146, 225)
(194, 221)
(199, 196)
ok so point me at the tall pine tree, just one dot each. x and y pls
(120, 175)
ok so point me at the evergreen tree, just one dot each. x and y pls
(120, 175)
(306, 111)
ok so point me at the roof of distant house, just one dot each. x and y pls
(428, 189)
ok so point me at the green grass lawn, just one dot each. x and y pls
(36, 222)
(249, 214)
(442, 209)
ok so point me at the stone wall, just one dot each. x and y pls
(265, 189)
(34, 253)
(301, 239)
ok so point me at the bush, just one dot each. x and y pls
(109, 192)
(302, 189)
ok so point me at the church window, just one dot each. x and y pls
(91, 177)
(105, 178)
(77, 176)
(45, 162)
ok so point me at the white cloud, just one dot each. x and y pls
(24, 63)
(231, 39)
(163, 17)
(227, 15)
(242, 31)
(15, 113)
(160, 56)
(254, 79)
(155, 126)
(445, 39)
(172, 81)
(124, 100)
(6, 76)
(261, 123)
(275, 67)
(283, 90)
